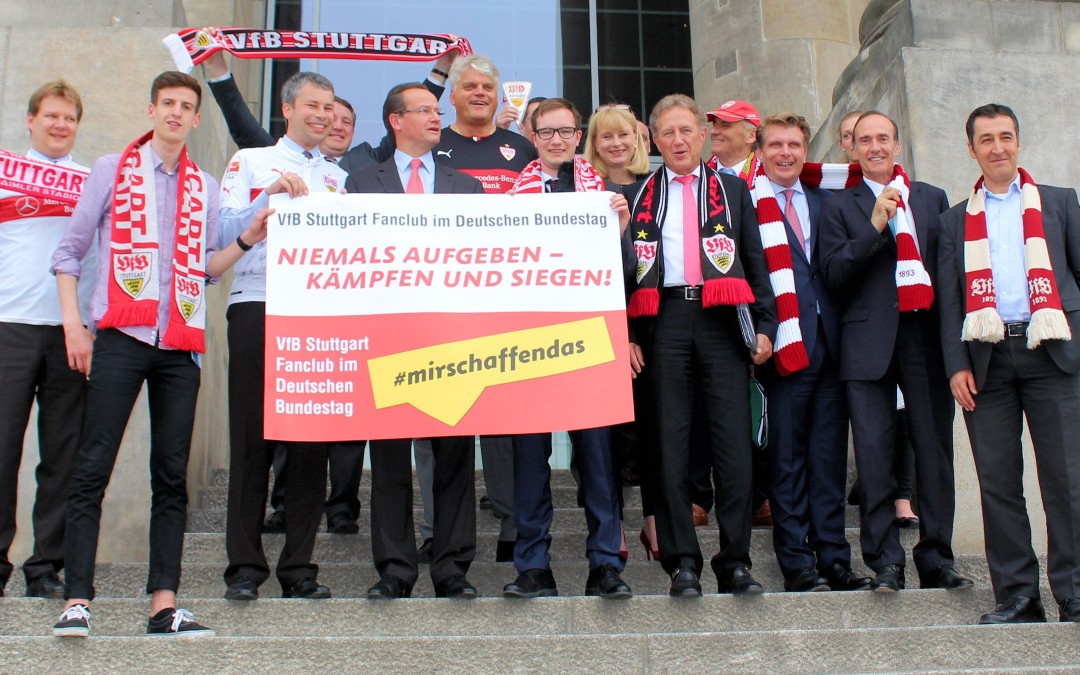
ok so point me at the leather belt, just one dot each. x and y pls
(683, 292)
(1016, 329)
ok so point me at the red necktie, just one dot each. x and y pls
(415, 186)
(793, 219)
(691, 233)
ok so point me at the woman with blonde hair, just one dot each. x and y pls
(616, 146)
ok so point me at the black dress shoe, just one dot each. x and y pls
(946, 577)
(907, 523)
(307, 589)
(738, 582)
(504, 550)
(389, 588)
(841, 578)
(275, 524)
(243, 588)
(685, 584)
(1069, 610)
(889, 579)
(805, 580)
(423, 554)
(606, 582)
(534, 583)
(47, 585)
(341, 523)
(1017, 609)
(455, 587)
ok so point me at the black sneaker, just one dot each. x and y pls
(74, 622)
(175, 623)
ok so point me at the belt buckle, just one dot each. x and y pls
(688, 292)
(1016, 329)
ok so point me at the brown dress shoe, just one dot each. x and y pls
(763, 516)
(701, 516)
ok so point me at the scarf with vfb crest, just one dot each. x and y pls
(721, 269)
(586, 178)
(135, 250)
(982, 321)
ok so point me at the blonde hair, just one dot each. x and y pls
(614, 119)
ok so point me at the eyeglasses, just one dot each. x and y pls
(425, 111)
(547, 133)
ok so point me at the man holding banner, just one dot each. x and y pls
(294, 166)
(33, 360)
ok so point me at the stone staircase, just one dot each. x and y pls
(912, 631)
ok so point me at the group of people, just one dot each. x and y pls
(835, 286)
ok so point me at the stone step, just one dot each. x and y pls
(501, 616)
(566, 545)
(566, 519)
(352, 579)
(559, 478)
(907, 649)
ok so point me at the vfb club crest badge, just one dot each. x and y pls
(720, 250)
(132, 272)
(508, 153)
(188, 296)
(646, 257)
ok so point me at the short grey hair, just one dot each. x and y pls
(294, 84)
(477, 62)
(676, 101)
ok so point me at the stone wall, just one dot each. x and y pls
(110, 50)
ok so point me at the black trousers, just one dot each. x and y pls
(692, 345)
(1022, 382)
(249, 466)
(346, 469)
(393, 544)
(33, 365)
(120, 366)
(930, 406)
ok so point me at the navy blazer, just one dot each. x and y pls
(1061, 227)
(859, 264)
(384, 178)
(814, 296)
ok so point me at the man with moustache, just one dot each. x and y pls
(878, 252)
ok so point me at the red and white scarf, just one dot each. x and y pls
(43, 189)
(982, 321)
(913, 286)
(191, 46)
(826, 176)
(586, 178)
(790, 352)
(135, 250)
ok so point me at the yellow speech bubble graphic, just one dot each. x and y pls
(445, 380)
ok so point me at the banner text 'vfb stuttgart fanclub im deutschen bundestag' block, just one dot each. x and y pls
(408, 316)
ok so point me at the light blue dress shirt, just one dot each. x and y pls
(427, 170)
(1005, 230)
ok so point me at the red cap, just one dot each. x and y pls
(733, 111)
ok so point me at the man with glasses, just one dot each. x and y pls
(412, 115)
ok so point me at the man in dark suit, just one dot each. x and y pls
(685, 297)
(1010, 316)
(412, 115)
(882, 346)
(808, 407)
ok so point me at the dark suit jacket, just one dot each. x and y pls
(246, 131)
(1061, 225)
(383, 178)
(859, 264)
(751, 254)
(810, 285)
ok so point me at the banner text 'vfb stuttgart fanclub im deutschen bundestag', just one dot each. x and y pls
(408, 316)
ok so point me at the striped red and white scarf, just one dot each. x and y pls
(826, 176)
(135, 250)
(586, 178)
(790, 352)
(982, 321)
(913, 286)
(191, 46)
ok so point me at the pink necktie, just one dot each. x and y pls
(793, 218)
(415, 186)
(691, 233)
